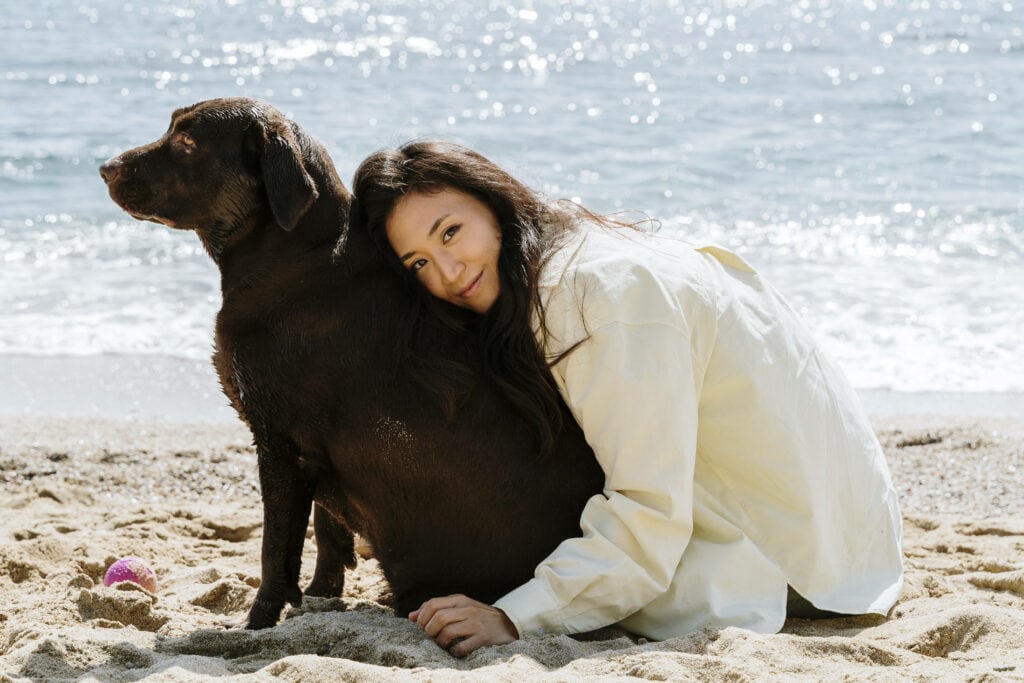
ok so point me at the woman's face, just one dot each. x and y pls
(451, 241)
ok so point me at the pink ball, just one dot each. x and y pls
(131, 569)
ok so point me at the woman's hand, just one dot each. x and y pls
(461, 625)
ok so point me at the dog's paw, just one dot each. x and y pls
(294, 596)
(263, 614)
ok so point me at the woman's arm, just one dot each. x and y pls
(634, 390)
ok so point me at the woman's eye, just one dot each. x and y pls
(417, 264)
(450, 232)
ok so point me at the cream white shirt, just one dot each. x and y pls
(737, 457)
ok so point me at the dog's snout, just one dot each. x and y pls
(111, 170)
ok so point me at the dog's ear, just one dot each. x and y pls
(290, 189)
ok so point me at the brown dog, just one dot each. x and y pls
(306, 345)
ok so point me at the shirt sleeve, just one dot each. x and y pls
(634, 390)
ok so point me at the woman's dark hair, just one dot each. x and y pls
(510, 354)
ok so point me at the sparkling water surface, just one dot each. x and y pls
(865, 156)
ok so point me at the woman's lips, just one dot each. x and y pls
(472, 287)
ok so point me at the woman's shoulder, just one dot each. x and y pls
(583, 245)
(611, 274)
(609, 254)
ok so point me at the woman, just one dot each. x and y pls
(743, 481)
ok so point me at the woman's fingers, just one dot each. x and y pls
(462, 648)
(461, 625)
(447, 618)
(428, 610)
(454, 634)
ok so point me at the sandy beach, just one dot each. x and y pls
(79, 493)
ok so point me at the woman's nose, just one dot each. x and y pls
(451, 267)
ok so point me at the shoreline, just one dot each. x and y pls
(123, 386)
(140, 386)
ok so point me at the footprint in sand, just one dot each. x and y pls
(1012, 582)
(1005, 527)
(959, 630)
(218, 592)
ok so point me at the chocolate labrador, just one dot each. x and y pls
(452, 501)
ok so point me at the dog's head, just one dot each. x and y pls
(220, 164)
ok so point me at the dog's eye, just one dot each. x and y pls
(184, 142)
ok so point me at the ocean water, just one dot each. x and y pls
(866, 156)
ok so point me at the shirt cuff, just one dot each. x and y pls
(525, 606)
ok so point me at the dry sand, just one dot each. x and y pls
(77, 494)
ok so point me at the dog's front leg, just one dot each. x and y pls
(335, 550)
(287, 498)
